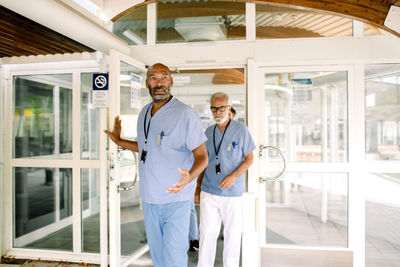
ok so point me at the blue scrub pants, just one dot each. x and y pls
(167, 230)
(194, 228)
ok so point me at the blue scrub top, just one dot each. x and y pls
(236, 144)
(180, 132)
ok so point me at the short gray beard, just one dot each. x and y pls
(159, 99)
(221, 121)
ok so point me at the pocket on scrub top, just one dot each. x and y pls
(235, 153)
(164, 144)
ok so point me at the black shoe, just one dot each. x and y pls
(194, 245)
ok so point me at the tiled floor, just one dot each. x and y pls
(289, 226)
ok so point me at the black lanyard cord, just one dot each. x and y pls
(146, 129)
(222, 138)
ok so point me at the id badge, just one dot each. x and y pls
(143, 156)
(218, 168)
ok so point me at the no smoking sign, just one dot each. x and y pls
(100, 90)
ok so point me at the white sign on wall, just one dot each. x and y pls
(136, 82)
(302, 105)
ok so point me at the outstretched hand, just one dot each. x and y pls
(185, 179)
(115, 135)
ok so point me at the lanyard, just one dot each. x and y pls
(222, 138)
(146, 129)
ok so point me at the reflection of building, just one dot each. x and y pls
(322, 87)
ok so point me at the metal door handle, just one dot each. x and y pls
(132, 185)
(275, 177)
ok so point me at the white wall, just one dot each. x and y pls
(283, 52)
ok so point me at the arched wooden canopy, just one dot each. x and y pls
(373, 12)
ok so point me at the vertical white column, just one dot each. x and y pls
(151, 23)
(250, 21)
(76, 154)
(103, 180)
(250, 248)
(251, 241)
(358, 28)
(8, 189)
(114, 197)
(358, 169)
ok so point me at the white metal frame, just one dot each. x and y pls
(76, 163)
(114, 180)
(354, 233)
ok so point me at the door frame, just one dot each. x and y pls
(75, 68)
(356, 241)
(113, 178)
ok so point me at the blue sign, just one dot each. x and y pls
(100, 81)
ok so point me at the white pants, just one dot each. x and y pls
(213, 210)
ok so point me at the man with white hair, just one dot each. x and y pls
(220, 187)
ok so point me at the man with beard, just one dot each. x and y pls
(221, 185)
(172, 154)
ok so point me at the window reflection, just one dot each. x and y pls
(42, 119)
(90, 208)
(287, 22)
(200, 21)
(40, 220)
(382, 112)
(132, 26)
(299, 111)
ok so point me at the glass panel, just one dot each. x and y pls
(90, 204)
(382, 111)
(42, 208)
(134, 95)
(42, 120)
(132, 26)
(89, 120)
(186, 21)
(299, 108)
(382, 218)
(307, 209)
(195, 87)
(286, 22)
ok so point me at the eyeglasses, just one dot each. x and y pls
(221, 108)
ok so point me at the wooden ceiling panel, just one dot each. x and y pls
(20, 36)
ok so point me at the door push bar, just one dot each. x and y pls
(275, 177)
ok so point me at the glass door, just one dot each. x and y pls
(304, 116)
(54, 166)
(128, 94)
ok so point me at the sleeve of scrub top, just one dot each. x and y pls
(248, 144)
(194, 133)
